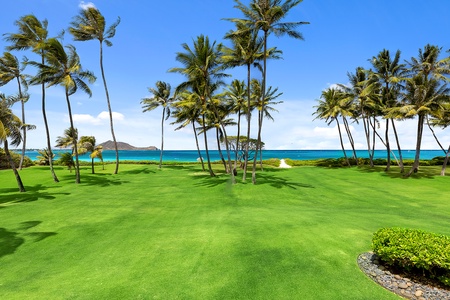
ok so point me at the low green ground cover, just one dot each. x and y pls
(176, 233)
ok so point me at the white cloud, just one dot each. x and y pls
(99, 120)
(87, 5)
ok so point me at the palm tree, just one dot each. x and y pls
(235, 96)
(333, 104)
(67, 140)
(64, 69)
(264, 108)
(187, 111)
(363, 93)
(90, 25)
(388, 72)
(11, 69)
(44, 157)
(10, 126)
(265, 15)
(32, 34)
(203, 71)
(66, 159)
(422, 97)
(161, 97)
(88, 144)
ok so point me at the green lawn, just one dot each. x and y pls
(176, 233)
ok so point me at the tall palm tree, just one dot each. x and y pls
(10, 69)
(333, 105)
(388, 72)
(10, 127)
(266, 15)
(161, 97)
(64, 69)
(203, 70)
(88, 144)
(32, 34)
(421, 98)
(187, 111)
(89, 25)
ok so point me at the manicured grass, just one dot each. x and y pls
(176, 233)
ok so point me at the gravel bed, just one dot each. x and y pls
(408, 288)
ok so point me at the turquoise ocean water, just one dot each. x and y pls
(192, 155)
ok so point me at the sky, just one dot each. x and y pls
(341, 36)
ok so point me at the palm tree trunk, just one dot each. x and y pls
(92, 166)
(109, 109)
(74, 137)
(237, 142)
(47, 131)
(350, 138)
(402, 167)
(342, 142)
(415, 166)
(220, 151)
(258, 143)
(211, 173)
(444, 165)
(367, 133)
(249, 116)
(233, 178)
(198, 147)
(162, 138)
(388, 147)
(13, 167)
(373, 136)
(24, 134)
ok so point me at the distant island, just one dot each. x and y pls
(109, 145)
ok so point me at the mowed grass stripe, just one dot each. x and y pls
(176, 233)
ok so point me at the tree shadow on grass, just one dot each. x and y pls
(143, 170)
(11, 240)
(33, 193)
(102, 180)
(427, 173)
(279, 182)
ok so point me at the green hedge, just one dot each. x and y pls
(414, 250)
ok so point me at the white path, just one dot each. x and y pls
(283, 164)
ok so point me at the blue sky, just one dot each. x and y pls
(342, 36)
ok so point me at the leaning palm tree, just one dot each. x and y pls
(161, 97)
(10, 127)
(88, 144)
(266, 16)
(32, 34)
(90, 25)
(330, 107)
(187, 111)
(67, 140)
(64, 69)
(11, 69)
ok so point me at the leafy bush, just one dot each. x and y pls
(4, 163)
(414, 250)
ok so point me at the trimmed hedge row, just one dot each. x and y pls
(414, 250)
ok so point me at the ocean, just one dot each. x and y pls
(192, 155)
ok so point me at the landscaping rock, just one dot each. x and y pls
(405, 287)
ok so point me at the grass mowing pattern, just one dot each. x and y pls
(176, 233)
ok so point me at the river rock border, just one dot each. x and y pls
(410, 289)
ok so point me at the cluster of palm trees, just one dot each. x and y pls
(200, 100)
(392, 91)
(58, 65)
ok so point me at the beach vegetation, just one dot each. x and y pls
(88, 144)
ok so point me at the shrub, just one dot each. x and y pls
(414, 250)
(4, 163)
